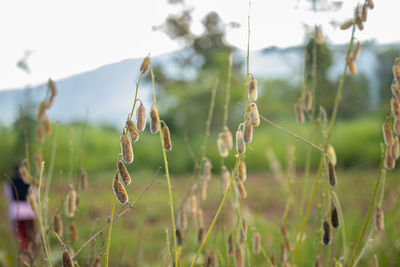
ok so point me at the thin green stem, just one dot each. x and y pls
(109, 231)
(136, 92)
(248, 61)
(266, 256)
(168, 247)
(227, 93)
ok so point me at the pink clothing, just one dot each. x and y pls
(17, 210)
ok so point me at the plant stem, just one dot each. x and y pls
(248, 62)
(109, 231)
(136, 92)
(227, 93)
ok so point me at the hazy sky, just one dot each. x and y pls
(69, 37)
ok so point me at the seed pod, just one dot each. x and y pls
(228, 139)
(222, 148)
(356, 51)
(97, 261)
(299, 113)
(364, 12)
(379, 219)
(67, 260)
(50, 102)
(243, 232)
(395, 108)
(283, 254)
(307, 101)
(193, 205)
(57, 225)
(396, 126)
(226, 179)
(360, 24)
(154, 121)
(331, 174)
(132, 130)
(23, 171)
(39, 131)
(167, 138)
(200, 235)
(42, 109)
(326, 238)
(71, 202)
(273, 260)
(145, 65)
(230, 246)
(253, 89)
(317, 264)
(179, 238)
(203, 190)
(396, 74)
(334, 216)
(387, 134)
(141, 118)
(242, 172)
(33, 202)
(351, 65)
(240, 146)
(38, 161)
(182, 216)
(254, 115)
(52, 87)
(200, 218)
(119, 190)
(84, 179)
(370, 4)
(390, 163)
(256, 243)
(47, 125)
(248, 130)
(241, 189)
(207, 170)
(396, 91)
(394, 149)
(212, 260)
(347, 24)
(239, 262)
(126, 147)
(125, 177)
(332, 155)
(73, 232)
(319, 38)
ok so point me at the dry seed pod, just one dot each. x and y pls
(222, 148)
(212, 260)
(396, 91)
(125, 177)
(356, 51)
(248, 130)
(299, 113)
(203, 190)
(326, 238)
(334, 216)
(132, 130)
(394, 149)
(200, 218)
(395, 107)
(50, 102)
(240, 145)
(119, 190)
(71, 202)
(84, 179)
(154, 121)
(331, 174)
(243, 232)
(360, 24)
(317, 264)
(387, 134)
(57, 225)
(145, 65)
(396, 73)
(39, 131)
(207, 170)
(347, 24)
(47, 125)
(241, 189)
(230, 246)
(239, 261)
(179, 238)
(126, 147)
(141, 117)
(52, 87)
(226, 179)
(364, 12)
(193, 206)
(308, 101)
(379, 219)
(242, 172)
(273, 260)
(370, 4)
(67, 260)
(42, 109)
(256, 243)
(200, 235)
(332, 155)
(38, 161)
(182, 216)
(253, 89)
(396, 126)
(167, 138)
(254, 115)
(23, 171)
(351, 65)
(33, 203)
(228, 139)
(283, 254)
(73, 232)
(390, 163)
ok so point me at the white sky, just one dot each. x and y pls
(73, 36)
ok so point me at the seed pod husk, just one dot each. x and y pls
(243, 232)
(207, 170)
(57, 225)
(394, 149)
(52, 87)
(308, 101)
(126, 147)
(347, 24)
(39, 131)
(356, 51)
(154, 121)
(200, 235)
(167, 138)
(334, 216)
(239, 262)
(119, 190)
(179, 237)
(253, 89)
(240, 145)
(41, 111)
(351, 66)
(73, 232)
(331, 174)
(71, 202)
(50, 102)
(212, 260)
(226, 179)
(387, 134)
(230, 246)
(222, 148)
(200, 218)
(67, 260)
(203, 189)
(364, 12)
(326, 238)
(33, 202)
(360, 24)
(241, 189)
(256, 243)
(125, 177)
(228, 139)
(370, 4)
(182, 216)
(379, 219)
(47, 125)
(396, 126)
(283, 254)
(254, 115)
(23, 171)
(84, 179)
(132, 130)
(193, 206)
(396, 73)
(248, 130)
(145, 65)
(242, 172)
(38, 161)
(141, 118)
(299, 113)
(396, 91)
(390, 163)
(395, 107)
(332, 155)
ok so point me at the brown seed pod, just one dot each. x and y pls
(71, 202)
(73, 232)
(193, 206)
(119, 190)
(242, 172)
(256, 243)
(39, 131)
(154, 121)
(299, 113)
(326, 238)
(203, 190)
(317, 263)
(307, 101)
(241, 189)
(57, 225)
(253, 89)
(200, 235)
(167, 138)
(395, 108)
(360, 24)
(347, 24)
(226, 179)
(123, 172)
(222, 148)
(394, 149)
(273, 260)
(396, 73)
(248, 130)
(84, 179)
(23, 171)
(67, 260)
(33, 202)
(179, 237)
(387, 134)
(243, 232)
(52, 87)
(38, 161)
(47, 125)
(50, 102)
(141, 117)
(351, 66)
(41, 111)
(212, 260)
(390, 163)
(379, 219)
(200, 218)
(334, 216)
(240, 145)
(370, 4)
(356, 51)
(239, 261)
(207, 170)
(283, 254)
(396, 91)
(182, 216)
(132, 130)
(254, 115)
(145, 65)
(331, 174)
(230, 246)
(228, 139)
(126, 148)
(396, 126)
(364, 12)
